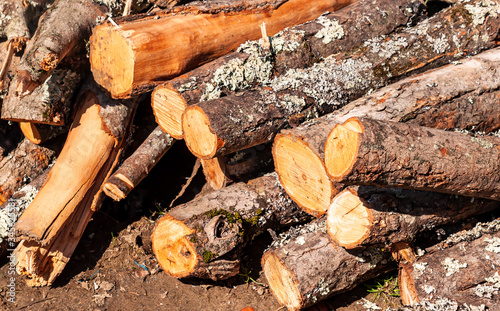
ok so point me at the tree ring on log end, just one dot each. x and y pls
(341, 148)
(302, 175)
(175, 253)
(281, 281)
(198, 135)
(110, 46)
(168, 107)
(349, 220)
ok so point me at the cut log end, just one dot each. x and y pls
(200, 138)
(282, 283)
(168, 107)
(341, 148)
(349, 221)
(109, 46)
(117, 187)
(31, 132)
(303, 175)
(175, 253)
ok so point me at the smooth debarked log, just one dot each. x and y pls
(136, 167)
(130, 59)
(459, 95)
(367, 216)
(466, 274)
(303, 266)
(301, 95)
(389, 154)
(203, 238)
(297, 47)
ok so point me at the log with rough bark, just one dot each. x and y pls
(22, 164)
(303, 266)
(300, 95)
(136, 167)
(366, 216)
(193, 36)
(466, 274)
(203, 238)
(88, 156)
(298, 47)
(391, 154)
(455, 96)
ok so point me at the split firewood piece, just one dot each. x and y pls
(40, 133)
(300, 95)
(466, 273)
(215, 172)
(136, 167)
(303, 266)
(62, 31)
(455, 96)
(89, 154)
(203, 238)
(391, 154)
(25, 162)
(199, 35)
(298, 47)
(366, 216)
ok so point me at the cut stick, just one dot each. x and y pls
(215, 172)
(461, 96)
(186, 40)
(368, 216)
(62, 31)
(466, 274)
(93, 143)
(41, 133)
(301, 95)
(388, 154)
(304, 267)
(203, 238)
(298, 47)
(136, 167)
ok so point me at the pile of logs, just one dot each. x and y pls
(352, 126)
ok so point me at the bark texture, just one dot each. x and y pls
(301, 95)
(203, 238)
(187, 40)
(381, 153)
(297, 47)
(448, 97)
(366, 216)
(14, 22)
(304, 266)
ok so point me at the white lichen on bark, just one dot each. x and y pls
(13, 209)
(452, 265)
(331, 30)
(488, 289)
(481, 9)
(493, 245)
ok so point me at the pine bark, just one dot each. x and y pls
(391, 154)
(136, 167)
(188, 40)
(454, 96)
(367, 216)
(304, 266)
(466, 273)
(298, 47)
(203, 238)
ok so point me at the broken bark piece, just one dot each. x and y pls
(303, 266)
(89, 154)
(62, 31)
(455, 96)
(371, 152)
(466, 273)
(298, 47)
(368, 216)
(22, 164)
(182, 39)
(136, 167)
(203, 238)
(301, 95)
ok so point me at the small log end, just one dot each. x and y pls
(199, 136)
(168, 107)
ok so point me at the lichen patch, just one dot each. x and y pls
(452, 265)
(331, 30)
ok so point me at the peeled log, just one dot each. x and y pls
(389, 154)
(366, 216)
(203, 238)
(304, 266)
(297, 47)
(130, 59)
(461, 95)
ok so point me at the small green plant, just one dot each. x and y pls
(384, 287)
(245, 277)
